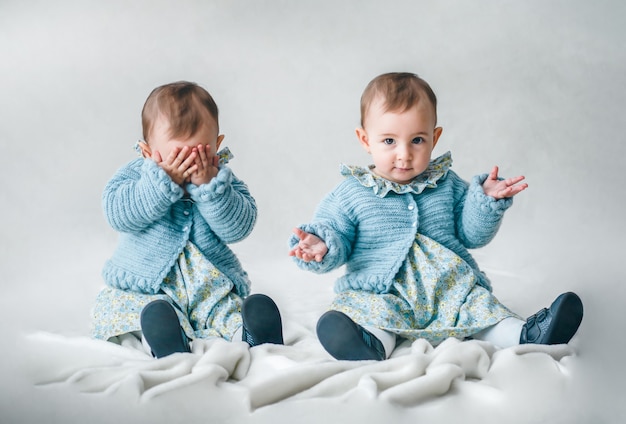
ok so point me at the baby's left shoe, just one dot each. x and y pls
(161, 329)
(261, 321)
(554, 325)
(346, 340)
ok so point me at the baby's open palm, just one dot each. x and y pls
(309, 248)
(500, 189)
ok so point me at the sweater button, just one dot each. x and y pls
(185, 228)
(411, 207)
(186, 213)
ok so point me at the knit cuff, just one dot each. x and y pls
(215, 188)
(487, 204)
(161, 180)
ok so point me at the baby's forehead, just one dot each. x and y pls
(185, 126)
(382, 105)
(378, 109)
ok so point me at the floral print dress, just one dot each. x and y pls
(435, 294)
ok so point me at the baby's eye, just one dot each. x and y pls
(417, 140)
(389, 141)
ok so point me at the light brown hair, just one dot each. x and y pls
(399, 91)
(183, 104)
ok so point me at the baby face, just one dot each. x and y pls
(162, 142)
(400, 142)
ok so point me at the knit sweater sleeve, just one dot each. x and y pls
(478, 216)
(138, 194)
(331, 224)
(226, 205)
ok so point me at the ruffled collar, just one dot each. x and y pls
(437, 169)
(224, 156)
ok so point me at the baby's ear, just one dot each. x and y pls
(220, 138)
(143, 149)
(362, 136)
(436, 135)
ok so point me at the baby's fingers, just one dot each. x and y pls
(493, 175)
(193, 168)
(299, 233)
(156, 156)
(177, 156)
(188, 159)
(308, 257)
(299, 253)
(517, 189)
(203, 154)
(511, 191)
(514, 180)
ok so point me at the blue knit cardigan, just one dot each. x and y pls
(372, 235)
(155, 222)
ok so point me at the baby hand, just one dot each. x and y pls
(310, 247)
(206, 165)
(179, 164)
(500, 189)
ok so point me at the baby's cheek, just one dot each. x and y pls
(163, 153)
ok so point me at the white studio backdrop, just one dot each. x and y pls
(536, 87)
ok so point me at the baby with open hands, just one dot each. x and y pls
(403, 228)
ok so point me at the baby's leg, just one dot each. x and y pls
(554, 325)
(132, 340)
(386, 338)
(504, 334)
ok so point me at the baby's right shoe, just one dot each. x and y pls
(161, 329)
(554, 325)
(344, 339)
(261, 321)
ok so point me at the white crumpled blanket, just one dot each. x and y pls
(269, 374)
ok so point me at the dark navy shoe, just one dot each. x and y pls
(261, 321)
(344, 339)
(555, 325)
(161, 329)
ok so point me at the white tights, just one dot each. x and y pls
(387, 339)
(504, 334)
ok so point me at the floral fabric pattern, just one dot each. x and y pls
(434, 296)
(202, 296)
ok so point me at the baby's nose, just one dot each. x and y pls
(403, 152)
